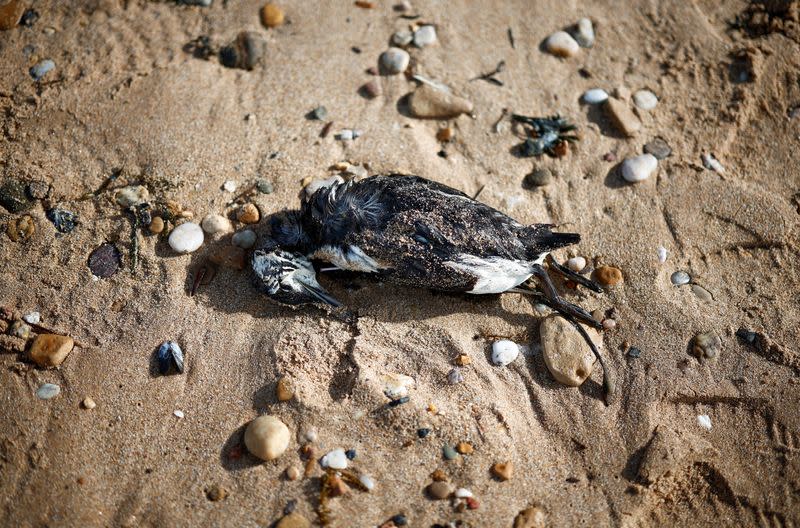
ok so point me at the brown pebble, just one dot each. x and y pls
(337, 486)
(438, 476)
(503, 470)
(21, 229)
(284, 389)
(533, 517)
(50, 350)
(465, 448)
(272, 16)
(463, 360)
(156, 225)
(10, 14)
(440, 490)
(293, 520)
(88, 403)
(292, 473)
(445, 134)
(364, 4)
(608, 275)
(472, 503)
(216, 493)
(372, 89)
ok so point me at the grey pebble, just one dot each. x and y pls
(449, 452)
(538, 178)
(455, 376)
(48, 391)
(679, 278)
(402, 38)
(320, 113)
(702, 293)
(41, 68)
(264, 186)
(394, 61)
(658, 148)
(244, 239)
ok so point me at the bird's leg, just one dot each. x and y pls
(557, 303)
(608, 381)
(574, 277)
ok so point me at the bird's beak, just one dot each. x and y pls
(317, 292)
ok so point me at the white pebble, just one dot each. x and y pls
(504, 352)
(645, 99)
(367, 482)
(704, 421)
(639, 168)
(244, 239)
(424, 36)
(679, 278)
(463, 493)
(178, 414)
(662, 254)
(132, 195)
(397, 385)
(214, 223)
(229, 186)
(402, 38)
(711, 163)
(561, 44)
(267, 437)
(346, 134)
(455, 376)
(186, 238)
(394, 61)
(584, 33)
(32, 318)
(576, 264)
(48, 391)
(336, 459)
(594, 96)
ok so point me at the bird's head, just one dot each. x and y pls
(288, 278)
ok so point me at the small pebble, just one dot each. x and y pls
(704, 421)
(284, 389)
(245, 52)
(679, 278)
(706, 345)
(462, 493)
(424, 36)
(272, 16)
(504, 352)
(583, 33)
(576, 264)
(63, 220)
(293, 520)
(371, 89)
(50, 350)
(214, 223)
(634, 352)
(566, 355)
(533, 517)
(179, 414)
(229, 186)
(449, 453)
(711, 163)
(472, 503)
(538, 178)
(244, 239)
(455, 376)
(132, 195)
(608, 275)
(702, 293)
(48, 391)
(20, 329)
(21, 229)
(169, 356)
(156, 225)
(320, 113)
(216, 493)
(440, 490)
(662, 254)
(503, 470)
(292, 473)
(367, 482)
(423, 432)
(658, 148)
(402, 38)
(394, 61)
(32, 317)
(561, 44)
(350, 454)
(464, 448)
(267, 437)
(264, 186)
(609, 324)
(88, 403)
(13, 196)
(622, 116)
(336, 459)
(346, 135)
(438, 475)
(462, 360)
(186, 238)
(399, 520)
(429, 102)
(397, 385)
(639, 168)
(105, 260)
(645, 99)
(41, 69)
(594, 96)
(443, 135)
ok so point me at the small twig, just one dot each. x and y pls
(479, 192)
(489, 76)
(511, 38)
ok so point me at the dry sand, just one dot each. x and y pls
(124, 94)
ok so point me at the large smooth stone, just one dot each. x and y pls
(428, 102)
(567, 356)
(267, 437)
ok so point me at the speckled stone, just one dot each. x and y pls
(567, 356)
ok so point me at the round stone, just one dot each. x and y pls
(608, 275)
(706, 345)
(567, 356)
(244, 239)
(561, 44)
(367, 482)
(679, 278)
(88, 403)
(292, 473)
(371, 89)
(48, 391)
(645, 99)
(576, 264)
(186, 238)
(284, 389)
(156, 225)
(272, 15)
(214, 223)
(584, 33)
(336, 459)
(402, 38)
(394, 61)
(538, 178)
(594, 96)
(504, 352)
(424, 36)
(267, 437)
(50, 350)
(440, 490)
(639, 168)
(248, 214)
(105, 260)
(658, 148)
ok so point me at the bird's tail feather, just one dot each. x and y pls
(543, 238)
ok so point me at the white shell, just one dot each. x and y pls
(704, 421)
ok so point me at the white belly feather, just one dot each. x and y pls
(494, 274)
